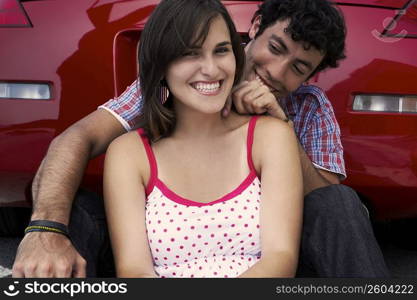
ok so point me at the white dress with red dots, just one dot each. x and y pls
(194, 239)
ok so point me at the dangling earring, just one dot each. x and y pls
(163, 91)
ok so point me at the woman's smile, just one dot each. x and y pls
(207, 88)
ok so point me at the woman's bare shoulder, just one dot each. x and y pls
(267, 127)
(263, 123)
(127, 141)
(128, 146)
(272, 136)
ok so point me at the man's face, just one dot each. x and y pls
(280, 62)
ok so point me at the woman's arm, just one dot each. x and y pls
(275, 156)
(124, 194)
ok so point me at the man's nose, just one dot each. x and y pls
(278, 70)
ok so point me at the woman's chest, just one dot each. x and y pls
(226, 227)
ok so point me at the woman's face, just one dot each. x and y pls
(203, 77)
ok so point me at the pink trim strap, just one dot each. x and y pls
(152, 161)
(251, 130)
(171, 195)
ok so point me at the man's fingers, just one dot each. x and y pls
(44, 271)
(240, 96)
(258, 108)
(259, 105)
(45, 254)
(64, 265)
(245, 87)
(29, 270)
(254, 97)
(17, 271)
(80, 268)
(239, 104)
(247, 107)
(275, 110)
(268, 103)
(253, 94)
(258, 100)
(239, 86)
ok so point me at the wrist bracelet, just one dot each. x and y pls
(47, 226)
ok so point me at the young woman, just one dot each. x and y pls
(193, 194)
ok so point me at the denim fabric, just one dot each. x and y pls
(89, 234)
(337, 238)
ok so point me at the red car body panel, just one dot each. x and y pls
(86, 51)
(379, 3)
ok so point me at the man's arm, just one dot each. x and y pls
(313, 178)
(46, 254)
(61, 171)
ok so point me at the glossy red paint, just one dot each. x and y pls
(406, 22)
(12, 14)
(86, 51)
(380, 3)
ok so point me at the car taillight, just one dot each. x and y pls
(385, 103)
(12, 14)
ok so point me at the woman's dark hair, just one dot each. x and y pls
(316, 23)
(173, 27)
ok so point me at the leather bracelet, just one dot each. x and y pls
(47, 226)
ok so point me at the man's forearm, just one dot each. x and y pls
(61, 171)
(59, 176)
(312, 179)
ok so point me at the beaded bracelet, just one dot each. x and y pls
(47, 226)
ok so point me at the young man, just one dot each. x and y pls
(291, 40)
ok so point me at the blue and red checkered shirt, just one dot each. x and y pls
(308, 107)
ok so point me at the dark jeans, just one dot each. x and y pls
(89, 234)
(337, 237)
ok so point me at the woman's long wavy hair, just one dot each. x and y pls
(174, 27)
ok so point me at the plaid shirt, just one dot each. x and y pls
(308, 107)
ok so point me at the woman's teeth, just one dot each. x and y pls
(207, 87)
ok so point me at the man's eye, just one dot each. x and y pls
(275, 49)
(298, 70)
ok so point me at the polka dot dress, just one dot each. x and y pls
(217, 240)
(194, 239)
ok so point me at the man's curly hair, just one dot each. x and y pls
(317, 23)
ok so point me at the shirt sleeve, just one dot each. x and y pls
(322, 143)
(127, 107)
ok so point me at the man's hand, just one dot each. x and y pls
(47, 254)
(254, 97)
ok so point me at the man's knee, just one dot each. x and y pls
(335, 201)
(90, 202)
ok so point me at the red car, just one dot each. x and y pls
(60, 59)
